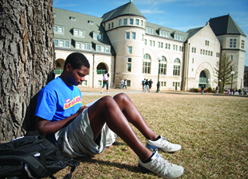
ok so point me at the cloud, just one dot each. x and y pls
(151, 11)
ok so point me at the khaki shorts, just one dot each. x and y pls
(77, 139)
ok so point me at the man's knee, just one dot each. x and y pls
(121, 97)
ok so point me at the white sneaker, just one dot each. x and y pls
(163, 144)
(161, 167)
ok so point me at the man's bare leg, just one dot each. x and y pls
(107, 110)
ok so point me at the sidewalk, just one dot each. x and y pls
(96, 91)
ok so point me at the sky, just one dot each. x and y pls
(176, 14)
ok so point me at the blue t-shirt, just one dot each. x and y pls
(57, 101)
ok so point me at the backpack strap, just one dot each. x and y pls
(30, 160)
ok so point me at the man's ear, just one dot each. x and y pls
(68, 67)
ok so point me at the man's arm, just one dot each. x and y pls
(46, 127)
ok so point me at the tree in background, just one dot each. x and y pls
(27, 61)
(223, 71)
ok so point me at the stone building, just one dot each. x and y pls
(130, 48)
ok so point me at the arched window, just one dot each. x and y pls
(101, 68)
(146, 64)
(162, 66)
(176, 67)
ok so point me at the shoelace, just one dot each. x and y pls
(161, 161)
(166, 144)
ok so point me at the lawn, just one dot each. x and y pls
(213, 132)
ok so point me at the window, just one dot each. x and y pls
(149, 30)
(163, 33)
(90, 22)
(78, 33)
(158, 44)
(153, 43)
(129, 83)
(125, 21)
(58, 29)
(137, 21)
(133, 35)
(95, 36)
(178, 37)
(242, 44)
(56, 43)
(163, 83)
(108, 26)
(100, 48)
(217, 54)
(78, 45)
(162, 66)
(150, 43)
(232, 43)
(193, 60)
(143, 37)
(207, 42)
(129, 64)
(99, 83)
(130, 50)
(167, 46)
(120, 22)
(61, 43)
(175, 47)
(88, 46)
(146, 64)
(145, 42)
(131, 21)
(141, 23)
(72, 18)
(84, 83)
(112, 24)
(127, 35)
(176, 67)
(231, 57)
(193, 50)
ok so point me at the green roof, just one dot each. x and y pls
(156, 28)
(62, 18)
(225, 25)
(128, 9)
(192, 32)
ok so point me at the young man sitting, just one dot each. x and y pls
(79, 131)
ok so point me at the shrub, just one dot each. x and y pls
(209, 90)
(193, 90)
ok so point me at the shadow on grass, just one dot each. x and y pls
(90, 160)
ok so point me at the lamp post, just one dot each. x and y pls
(158, 84)
(232, 72)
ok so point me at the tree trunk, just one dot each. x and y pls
(27, 62)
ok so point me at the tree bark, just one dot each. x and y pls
(27, 61)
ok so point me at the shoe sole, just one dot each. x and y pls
(143, 169)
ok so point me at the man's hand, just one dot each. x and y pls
(47, 127)
(80, 110)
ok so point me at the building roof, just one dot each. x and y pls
(171, 32)
(128, 9)
(192, 32)
(225, 25)
(89, 24)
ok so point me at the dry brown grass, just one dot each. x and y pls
(213, 132)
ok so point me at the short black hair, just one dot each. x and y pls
(77, 60)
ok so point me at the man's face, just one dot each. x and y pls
(77, 76)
